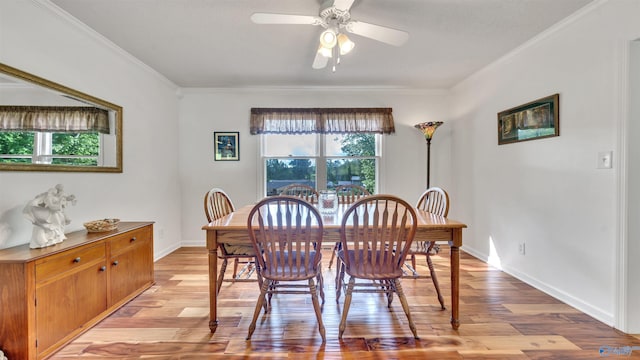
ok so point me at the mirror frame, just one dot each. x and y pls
(40, 82)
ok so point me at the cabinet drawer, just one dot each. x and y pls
(68, 260)
(129, 239)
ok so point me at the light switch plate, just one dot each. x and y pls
(605, 160)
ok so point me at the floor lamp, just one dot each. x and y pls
(428, 128)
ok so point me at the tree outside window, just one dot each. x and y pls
(81, 148)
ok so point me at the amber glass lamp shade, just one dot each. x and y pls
(428, 128)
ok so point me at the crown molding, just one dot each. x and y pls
(315, 89)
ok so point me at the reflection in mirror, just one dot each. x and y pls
(45, 126)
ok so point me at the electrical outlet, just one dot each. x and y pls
(521, 248)
(605, 160)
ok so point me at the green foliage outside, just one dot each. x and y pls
(86, 144)
(16, 143)
(22, 143)
(362, 145)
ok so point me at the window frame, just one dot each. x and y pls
(320, 157)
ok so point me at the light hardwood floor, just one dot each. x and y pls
(501, 318)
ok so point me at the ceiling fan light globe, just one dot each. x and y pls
(326, 52)
(328, 38)
(345, 44)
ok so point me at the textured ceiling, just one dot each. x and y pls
(213, 43)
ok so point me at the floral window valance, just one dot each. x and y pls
(54, 119)
(321, 120)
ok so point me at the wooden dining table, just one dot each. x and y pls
(232, 229)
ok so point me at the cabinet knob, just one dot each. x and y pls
(115, 263)
(76, 260)
(103, 268)
(133, 239)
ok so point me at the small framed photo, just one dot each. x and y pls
(227, 146)
(534, 120)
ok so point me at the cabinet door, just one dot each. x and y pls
(131, 270)
(65, 304)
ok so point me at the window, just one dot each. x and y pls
(320, 147)
(39, 147)
(323, 161)
(62, 135)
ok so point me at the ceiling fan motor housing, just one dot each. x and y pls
(330, 14)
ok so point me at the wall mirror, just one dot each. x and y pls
(46, 126)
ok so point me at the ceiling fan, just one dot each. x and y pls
(335, 18)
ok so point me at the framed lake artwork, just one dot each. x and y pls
(534, 120)
(227, 146)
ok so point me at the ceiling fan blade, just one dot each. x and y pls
(343, 5)
(266, 18)
(320, 61)
(377, 32)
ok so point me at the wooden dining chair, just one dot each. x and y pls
(217, 204)
(436, 201)
(287, 232)
(350, 193)
(376, 234)
(347, 194)
(302, 191)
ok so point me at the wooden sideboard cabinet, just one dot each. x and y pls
(51, 295)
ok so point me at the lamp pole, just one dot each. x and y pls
(428, 160)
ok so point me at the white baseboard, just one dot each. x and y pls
(192, 243)
(160, 254)
(566, 298)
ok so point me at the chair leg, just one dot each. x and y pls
(405, 306)
(339, 279)
(235, 268)
(320, 279)
(345, 309)
(316, 307)
(413, 265)
(260, 282)
(338, 266)
(256, 312)
(223, 268)
(390, 290)
(432, 270)
(333, 254)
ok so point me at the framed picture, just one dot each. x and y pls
(534, 120)
(227, 146)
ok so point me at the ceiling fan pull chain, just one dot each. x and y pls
(336, 58)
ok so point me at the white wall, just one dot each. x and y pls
(548, 193)
(632, 253)
(204, 111)
(61, 50)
